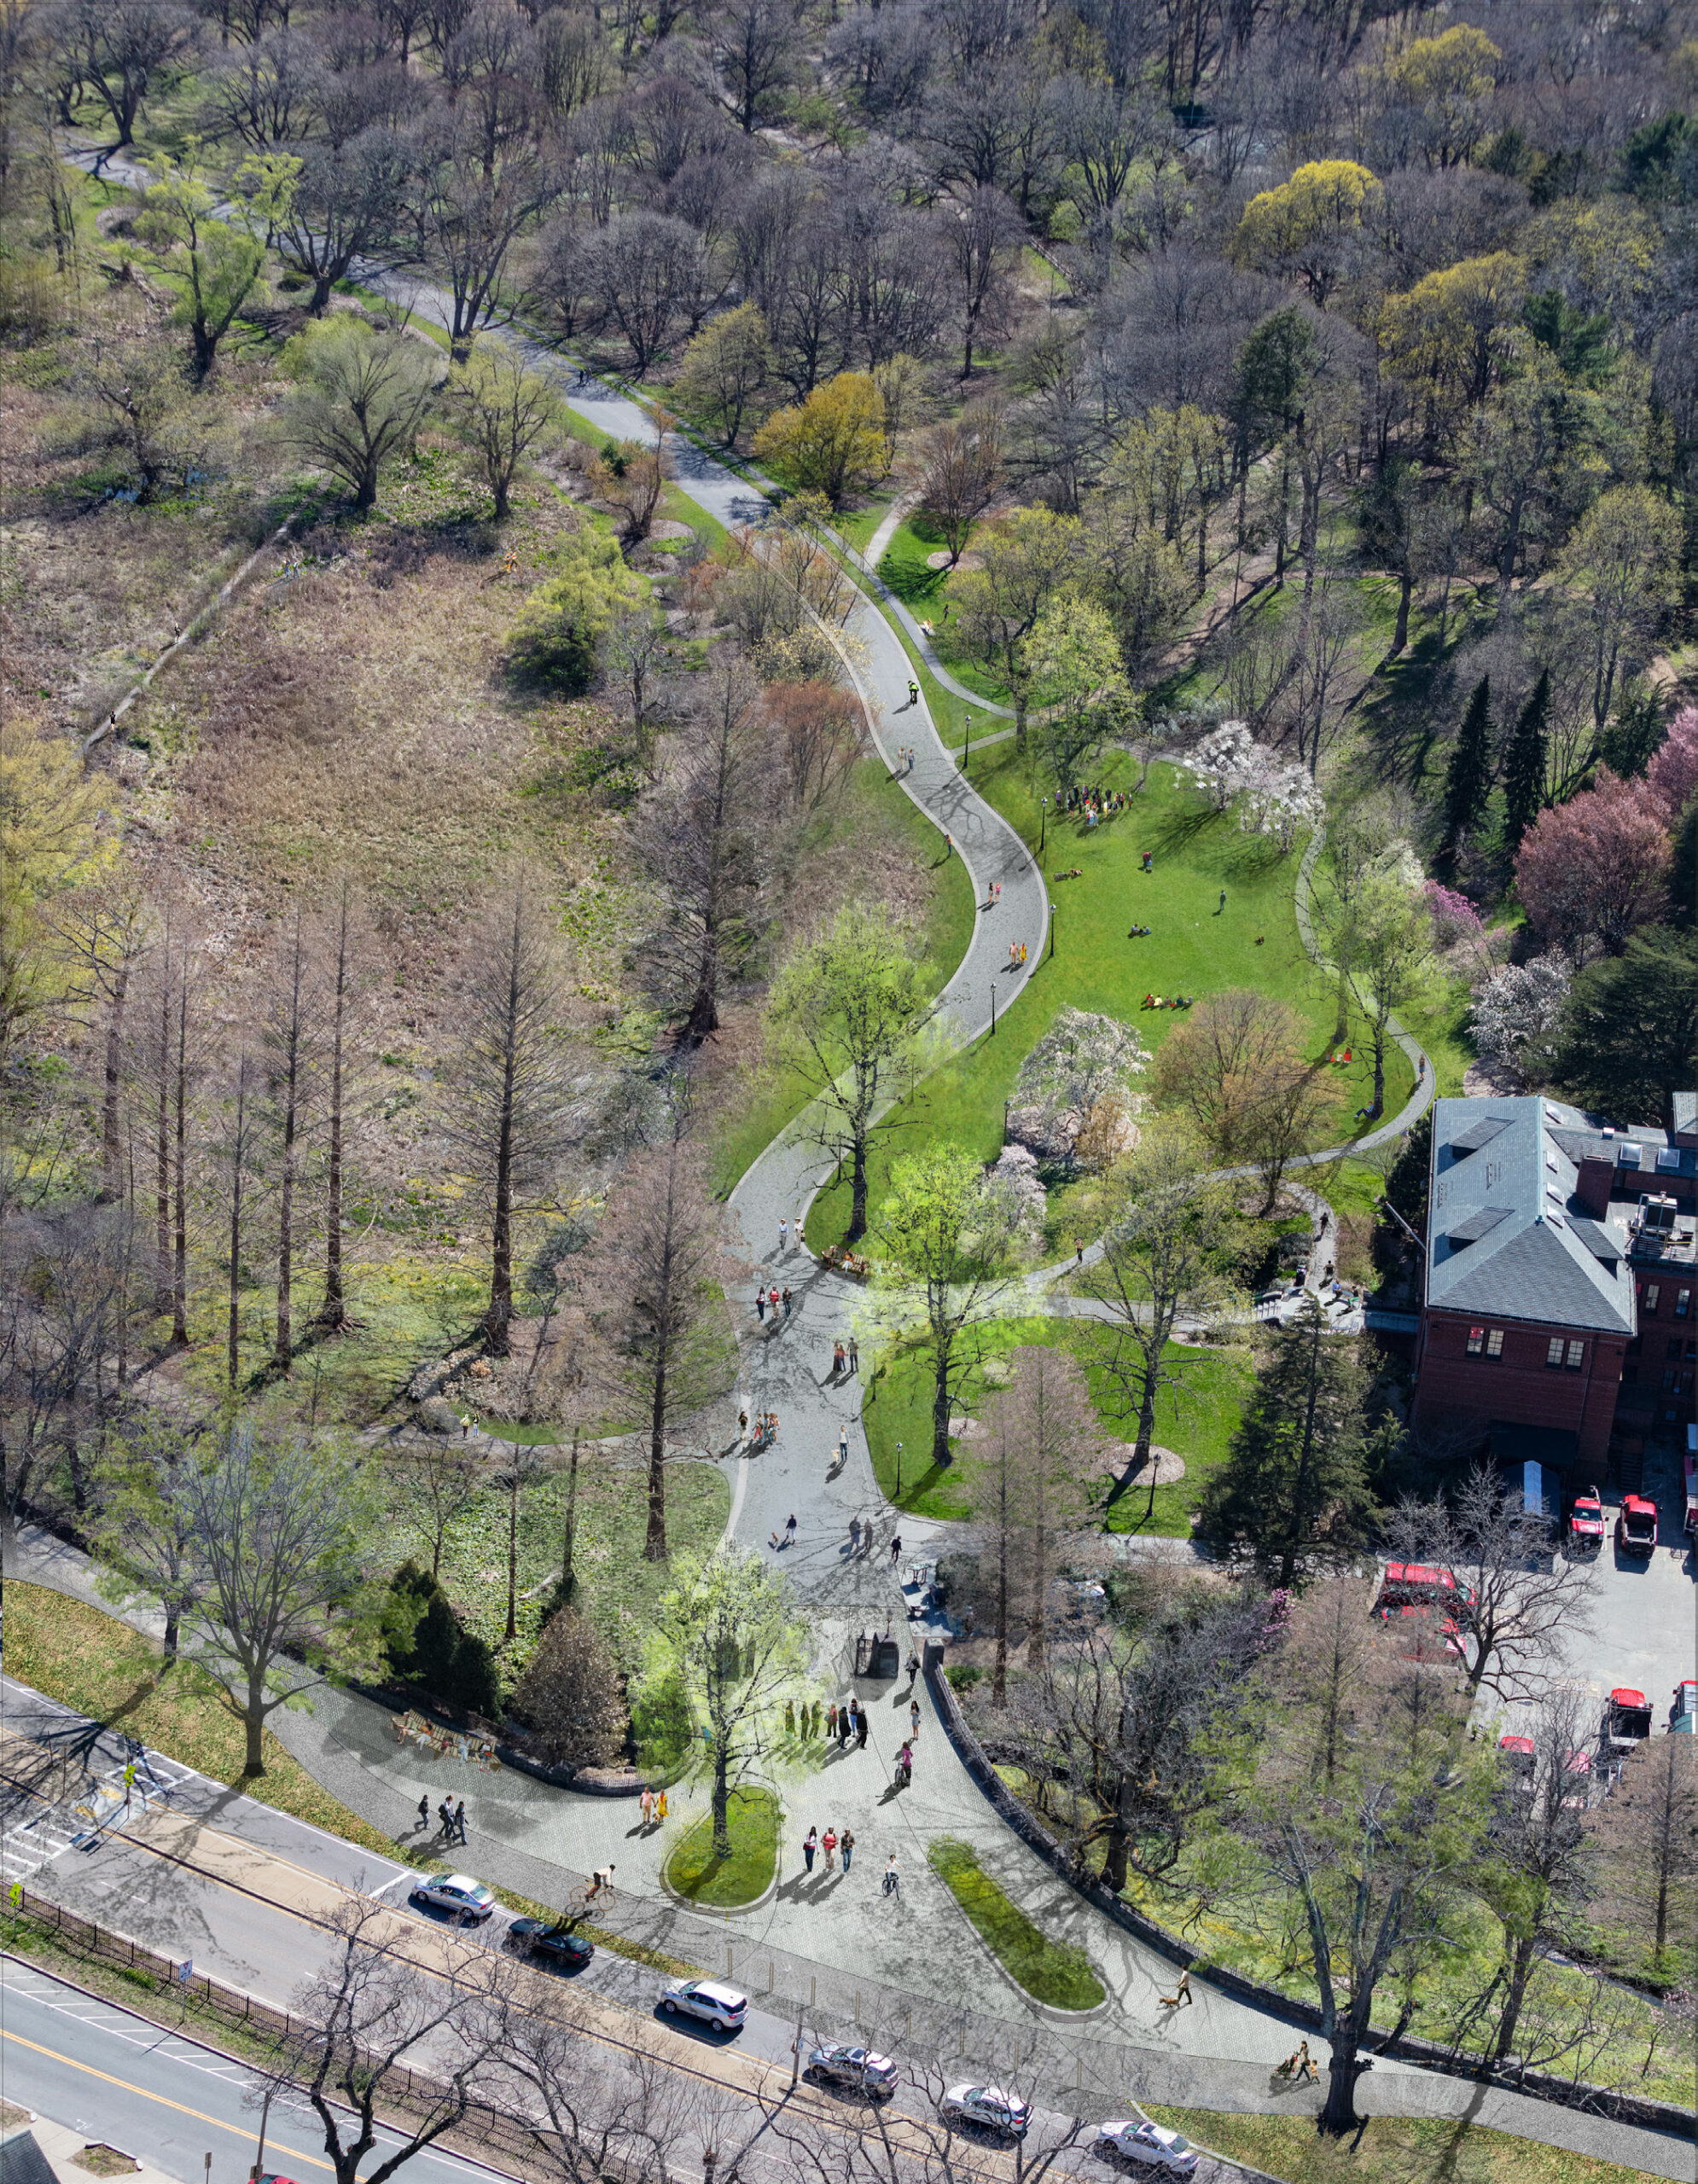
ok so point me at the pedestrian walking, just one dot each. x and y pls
(790, 1532)
(661, 1807)
(914, 1716)
(1079, 1251)
(646, 1805)
(1180, 1999)
(846, 1846)
(1221, 905)
(913, 1665)
(836, 1361)
(892, 1877)
(772, 1300)
(854, 1534)
(862, 1723)
(424, 1809)
(460, 1820)
(843, 1445)
(831, 1722)
(760, 1305)
(783, 1235)
(788, 1301)
(854, 1355)
(828, 1843)
(843, 1727)
(809, 1844)
(444, 1813)
(896, 1550)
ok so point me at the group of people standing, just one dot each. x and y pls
(831, 1843)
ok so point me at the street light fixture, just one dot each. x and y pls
(1043, 827)
(1052, 932)
(899, 1471)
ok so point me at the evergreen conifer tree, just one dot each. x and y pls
(1295, 1479)
(1524, 763)
(1467, 778)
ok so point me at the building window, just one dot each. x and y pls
(1553, 1353)
(1494, 1342)
(1577, 1355)
(1653, 1290)
(1682, 1303)
(1674, 1347)
(1476, 1341)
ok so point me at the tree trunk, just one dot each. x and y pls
(333, 1311)
(179, 1278)
(999, 1673)
(940, 1454)
(112, 1181)
(1338, 2115)
(512, 1556)
(253, 1719)
(1521, 1970)
(498, 1319)
(568, 1577)
(235, 1236)
(721, 1801)
(654, 1546)
(282, 1348)
(1405, 586)
(858, 1208)
(162, 1174)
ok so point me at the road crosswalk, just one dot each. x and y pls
(121, 1781)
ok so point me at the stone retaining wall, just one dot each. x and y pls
(1627, 2108)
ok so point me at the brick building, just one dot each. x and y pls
(1556, 1310)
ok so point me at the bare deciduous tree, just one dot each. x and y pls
(277, 1533)
(370, 2017)
(508, 1101)
(1528, 1602)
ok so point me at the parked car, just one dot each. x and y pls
(1683, 1715)
(989, 2108)
(1519, 1757)
(563, 1947)
(873, 2074)
(1152, 2143)
(1585, 1523)
(458, 1892)
(1419, 1585)
(1626, 1718)
(1636, 1528)
(711, 2000)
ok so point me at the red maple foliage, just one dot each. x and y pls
(1593, 868)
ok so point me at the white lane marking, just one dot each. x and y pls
(394, 1881)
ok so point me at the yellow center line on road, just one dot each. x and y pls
(141, 2092)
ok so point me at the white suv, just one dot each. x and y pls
(711, 2000)
(1152, 2143)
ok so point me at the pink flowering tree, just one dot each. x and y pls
(1457, 925)
(1673, 773)
(1593, 868)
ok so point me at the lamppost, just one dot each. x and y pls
(968, 754)
(1043, 827)
(899, 1471)
(1052, 932)
(993, 1010)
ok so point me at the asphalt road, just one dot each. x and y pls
(167, 2100)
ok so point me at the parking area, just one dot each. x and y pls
(1644, 1609)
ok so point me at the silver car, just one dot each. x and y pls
(1152, 2143)
(711, 2000)
(873, 2074)
(988, 2106)
(455, 1892)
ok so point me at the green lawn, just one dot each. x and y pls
(1096, 966)
(1049, 1971)
(1196, 1420)
(694, 1870)
(1388, 2150)
(873, 804)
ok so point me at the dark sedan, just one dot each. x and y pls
(563, 1947)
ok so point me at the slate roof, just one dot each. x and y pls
(1685, 1113)
(1508, 1240)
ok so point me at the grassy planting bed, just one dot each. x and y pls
(1051, 1971)
(695, 1869)
(1194, 947)
(1195, 1419)
(1387, 2150)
